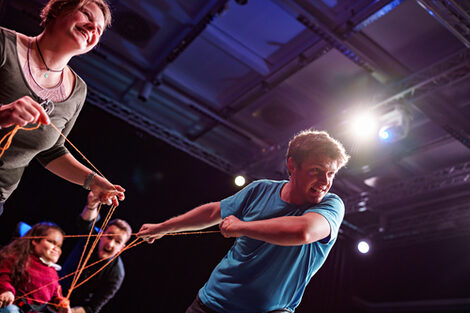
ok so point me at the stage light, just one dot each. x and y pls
(364, 125)
(363, 247)
(395, 124)
(240, 180)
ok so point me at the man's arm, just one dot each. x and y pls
(109, 284)
(283, 231)
(201, 217)
(90, 211)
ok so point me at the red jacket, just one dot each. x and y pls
(39, 275)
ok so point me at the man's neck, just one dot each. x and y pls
(288, 194)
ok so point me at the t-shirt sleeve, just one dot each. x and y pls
(331, 208)
(59, 148)
(235, 204)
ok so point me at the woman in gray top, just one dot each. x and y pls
(33, 70)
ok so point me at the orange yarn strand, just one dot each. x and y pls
(76, 149)
(133, 234)
(8, 138)
(80, 267)
(66, 276)
(131, 245)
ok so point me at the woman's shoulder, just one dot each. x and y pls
(79, 85)
(7, 31)
(18, 40)
(11, 34)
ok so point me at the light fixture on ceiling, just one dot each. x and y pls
(145, 90)
(363, 246)
(395, 124)
(240, 180)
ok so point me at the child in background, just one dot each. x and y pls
(30, 264)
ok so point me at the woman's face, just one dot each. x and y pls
(83, 28)
(49, 248)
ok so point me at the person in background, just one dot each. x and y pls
(95, 293)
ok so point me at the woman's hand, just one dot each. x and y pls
(106, 192)
(22, 112)
(6, 298)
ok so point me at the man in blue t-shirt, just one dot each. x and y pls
(284, 231)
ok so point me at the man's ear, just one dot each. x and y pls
(291, 165)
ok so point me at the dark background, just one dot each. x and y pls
(162, 182)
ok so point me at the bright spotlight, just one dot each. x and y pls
(240, 181)
(363, 247)
(364, 125)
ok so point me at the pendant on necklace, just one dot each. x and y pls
(45, 75)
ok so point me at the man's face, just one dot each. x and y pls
(312, 179)
(110, 245)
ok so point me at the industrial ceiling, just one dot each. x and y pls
(230, 82)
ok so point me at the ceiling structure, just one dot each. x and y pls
(230, 82)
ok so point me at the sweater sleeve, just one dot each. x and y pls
(5, 278)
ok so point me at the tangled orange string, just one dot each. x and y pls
(82, 264)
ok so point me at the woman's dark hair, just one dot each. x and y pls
(17, 252)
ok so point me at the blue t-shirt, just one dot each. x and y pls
(256, 276)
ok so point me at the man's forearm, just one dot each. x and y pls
(201, 217)
(286, 230)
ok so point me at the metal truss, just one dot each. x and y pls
(437, 76)
(182, 41)
(442, 224)
(447, 178)
(416, 86)
(152, 128)
(332, 40)
(452, 14)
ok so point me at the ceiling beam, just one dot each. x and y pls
(452, 14)
(430, 184)
(157, 130)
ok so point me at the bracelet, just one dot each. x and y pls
(88, 180)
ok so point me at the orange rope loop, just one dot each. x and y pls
(8, 138)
